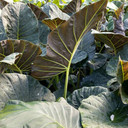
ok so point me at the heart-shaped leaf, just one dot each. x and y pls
(22, 87)
(72, 7)
(55, 16)
(39, 114)
(28, 53)
(20, 22)
(63, 41)
(104, 111)
(115, 41)
(78, 95)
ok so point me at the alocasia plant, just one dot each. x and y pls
(64, 41)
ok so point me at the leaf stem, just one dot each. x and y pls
(66, 81)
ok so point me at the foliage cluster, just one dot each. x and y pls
(51, 49)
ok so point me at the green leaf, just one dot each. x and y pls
(78, 95)
(97, 78)
(98, 61)
(22, 87)
(43, 33)
(20, 22)
(112, 64)
(110, 25)
(87, 45)
(3, 35)
(79, 56)
(55, 16)
(72, 7)
(39, 114)
(63, 41)
(114, 40)
(104, 111)
(29, 52)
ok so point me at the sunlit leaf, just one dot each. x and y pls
(63, 41)
(55, 16)
(39, 114)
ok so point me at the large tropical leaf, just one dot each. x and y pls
(22, 87)
(63, 41)
(20, 22)
(78, 95)
(114, 40)
(55, 16)
(72, 7)
(104, 111)
(18, 114)
(28, 53)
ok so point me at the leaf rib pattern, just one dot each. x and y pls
(66, 38)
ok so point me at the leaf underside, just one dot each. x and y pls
(63, 42)
(27, 49)
(115, 41)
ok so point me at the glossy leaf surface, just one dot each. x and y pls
(64, 41)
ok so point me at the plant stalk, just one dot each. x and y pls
(66, 82)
